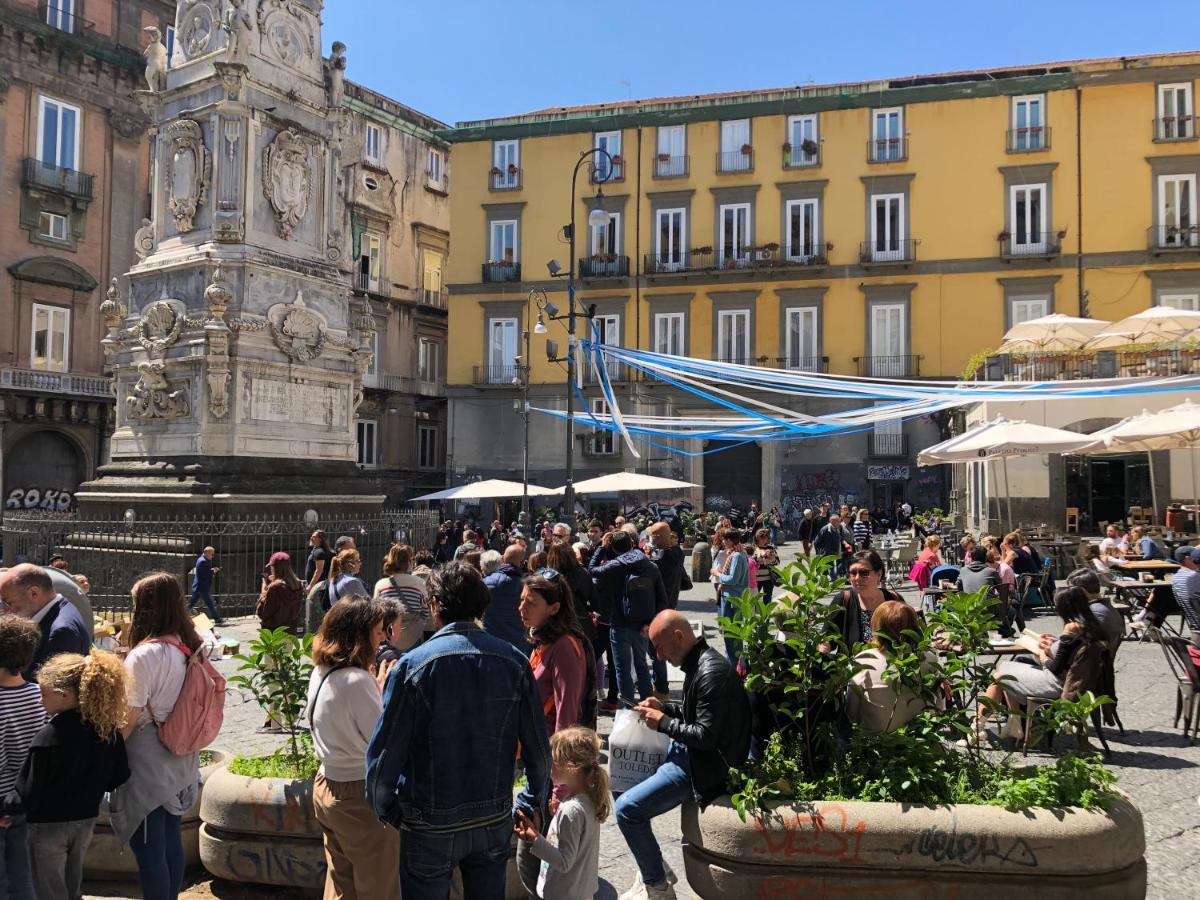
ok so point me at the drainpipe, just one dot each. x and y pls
(637, 246)
(1083, 304)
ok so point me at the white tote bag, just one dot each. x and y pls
(634, 751)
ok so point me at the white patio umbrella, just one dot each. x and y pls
(999, 439)
(486, 490)
(1055, 332)
(1156, 325)
(627, 481)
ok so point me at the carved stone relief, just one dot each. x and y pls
(217, 296)
(218, 392)
(128, 126)
(287, 30)
(298, 331)
(143, 239)
(160, 325)
(155, 55)
(188, 171)
(113, 312)
(199, 24)
(152, 397)
(287, 180)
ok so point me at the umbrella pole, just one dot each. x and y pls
(1153, 489)
(1007, 494)
(1195, 492)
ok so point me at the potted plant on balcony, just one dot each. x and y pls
(700, 251)
(747, 149)
(809, 146)
(513, 169)
(772, 246)
(616, 160)
(664, 157)
(496, 170)
(787, 146)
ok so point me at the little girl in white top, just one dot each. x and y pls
(570, 851)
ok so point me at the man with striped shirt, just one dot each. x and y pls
(862, 530)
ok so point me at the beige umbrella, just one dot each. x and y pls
(627, 481)
(487, 490)
(1055, 332)
(1156, 325)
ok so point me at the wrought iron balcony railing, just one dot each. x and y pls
(885, 251)
(501, 271)
(604, 266)
(889, 444)
(671, 166)
(499, 375)
(48, 177)
(606, 171)
(504, 179)
(735, 161)
(435, 298)
(1046, 244)
(1175, 128)
(904, 366)
(802, 363)
(881, 150)
(1029, 139)
(1173, 237)
(797, 157)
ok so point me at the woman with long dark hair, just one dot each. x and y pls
(280, 599)
(147, 811)
(857, 604)
(319, 558)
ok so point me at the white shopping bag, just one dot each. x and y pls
(634, 751)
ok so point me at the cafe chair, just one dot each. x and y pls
(1095, 663)
(1072, 524)
(1187, 679)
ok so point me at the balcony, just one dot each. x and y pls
(499, 376)
(887, 252)
(1030, 139)
(617, 372)
(504, 179)
(907, 366)
(46, 177)
(604, 266)
(698, 260)
(402, 384)
(435, 298)
(666, 166)
(495, 272)
(886, 150)
(1167, 238)
(64, 383)
(63, 17)
(1174, 128)
(1049, 244)
(732, 161)
(889, 444)
(601, 443)
(802, 363)
(607, 171)
(363, 283)
(1162, 363)
(736, 360)
(806, 155)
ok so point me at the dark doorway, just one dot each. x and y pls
(41, 471)
(1105, 487)
(733, 477)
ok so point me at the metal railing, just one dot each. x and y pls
(604, 266)
(49, 177)
(504, 180)
(617, 372)
(803, 363)
(114, 553)
(1029, 139)
(887, 150)
(1049, 245)
(671, 166)
(735, 161)
(887, 251)
(1175, 128)
(690, 261)
(904, 366)
(799, 158)
(606, 172)
(1157, 363)
(63, 18)
(403, 384)
(1173, 237)
(501, 271)
(889, 444)
(500, 375)
(364, 284)
(737, 360)
(439, 299)
(90, 386)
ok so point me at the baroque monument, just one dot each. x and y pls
(236, 346)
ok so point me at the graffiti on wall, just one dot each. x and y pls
(807, 487)
(888, 473)
(34, 498)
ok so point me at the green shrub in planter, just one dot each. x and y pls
(276, 671)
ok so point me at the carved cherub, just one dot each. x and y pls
(155, 55)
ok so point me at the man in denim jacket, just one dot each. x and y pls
(440, 764)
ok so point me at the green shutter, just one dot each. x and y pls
(358, 225)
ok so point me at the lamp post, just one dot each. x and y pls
(522, 380)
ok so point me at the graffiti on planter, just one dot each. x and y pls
(888, 473)
(825, 832)
(944, 846)
(35, 498)
(266, 864)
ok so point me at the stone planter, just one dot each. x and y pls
(701, 562)
(894, 850)
(261, 830)
(106, 859)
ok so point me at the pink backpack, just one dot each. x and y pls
(196, 719)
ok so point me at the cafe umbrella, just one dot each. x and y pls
(1053, 333)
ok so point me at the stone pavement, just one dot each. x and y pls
(1157, 768)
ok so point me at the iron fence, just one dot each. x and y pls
(114, 552)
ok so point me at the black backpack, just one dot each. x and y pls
(637, 600)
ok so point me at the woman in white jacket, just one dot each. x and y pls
(344, 704)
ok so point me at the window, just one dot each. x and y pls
(733, 336)
(1177, 211)
(1027, 212)
(1028, 123)
(887, 438)
(609, 166)
(370, 262)
(169, 43)
(373, 144)
(1175, 118)
(431, 278)
(506, 164)
(887, 227)
(888, 340)
(803, 241)
(669, 240)
(504, 241)
(60, 14)
(58, 134)
(606, 329)
(605, 239)
(1022, 309)
(801, 341)
(1188, 301)
(373, 369)
(50, 348)
(802, 130)
(735, 139)
(671, 161)
(502, 350)
(735, 234)
(52, 226)
(429, 354)
(368, 447)
(436, 168)
(668, 333)
(427, 444)
(603, 441)
(887, 134)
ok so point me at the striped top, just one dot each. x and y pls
(862, 534)
(21, 717)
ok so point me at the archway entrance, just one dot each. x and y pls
(1105, 487)
(42, 471)
(733, 477)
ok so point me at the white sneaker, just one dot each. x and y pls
(662, 891)
(637, 891)
(1014, 728)
(642, 891)
(977, 738)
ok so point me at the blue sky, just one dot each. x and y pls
(467, 59)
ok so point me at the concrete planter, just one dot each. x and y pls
(261, 830)
(889, 849)
(701, 562)
(106, 859)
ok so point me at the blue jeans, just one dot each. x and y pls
(16, 879)
(157, 846)
(637, 808)
(629, 645)
(428, 861)
(733, 648)
(206, 595)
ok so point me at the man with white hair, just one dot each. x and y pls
(28, 591)
(808, 531)
(561, 533)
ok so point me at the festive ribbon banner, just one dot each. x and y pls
(758, 419)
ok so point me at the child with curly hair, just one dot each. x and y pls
(76, 757)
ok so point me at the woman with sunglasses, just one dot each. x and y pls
(858, 603)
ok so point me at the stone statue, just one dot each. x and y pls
(235, 22)
(337, 73)
(156, 60)
(151, 397)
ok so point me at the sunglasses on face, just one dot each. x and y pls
(861, 573)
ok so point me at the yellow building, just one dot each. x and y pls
(891, 228)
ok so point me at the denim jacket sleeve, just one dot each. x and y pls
(737, 572)
(387, 753)
(535, 750)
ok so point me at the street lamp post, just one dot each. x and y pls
(523, 370)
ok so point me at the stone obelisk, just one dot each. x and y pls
(237, 349)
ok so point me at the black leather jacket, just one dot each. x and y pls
(713, 721)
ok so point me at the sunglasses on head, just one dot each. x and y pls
(548, 573)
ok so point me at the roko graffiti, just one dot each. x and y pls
(33, 498)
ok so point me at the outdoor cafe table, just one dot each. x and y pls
(1137, 566)
(1062, 552)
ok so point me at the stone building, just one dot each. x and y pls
(74, 160)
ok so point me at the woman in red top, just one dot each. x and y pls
(562, 657)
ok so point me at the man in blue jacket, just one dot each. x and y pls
(202, 584)
(28, 591)
(439, 765)
(502, 618)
